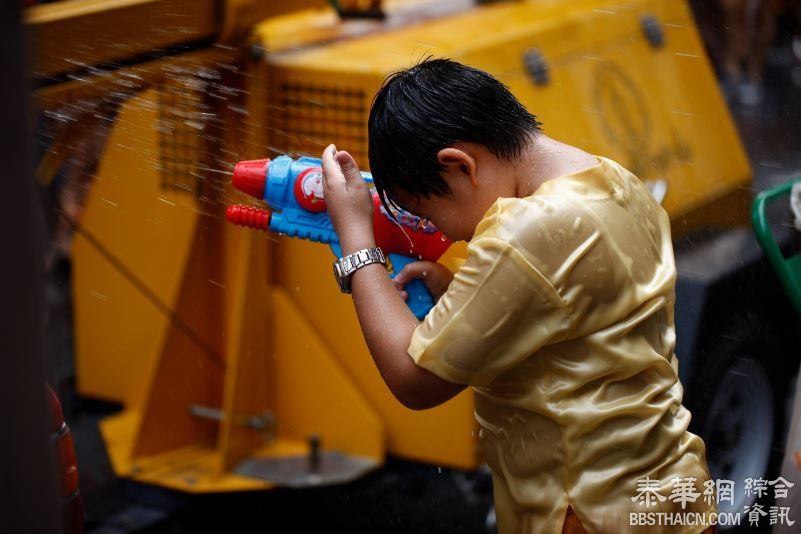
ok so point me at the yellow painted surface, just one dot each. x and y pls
(240, 15)
(314, 394)
(193, 469)
(309, 391)
(656, 111)
(71, 35)
(248, 314)
(148, 229)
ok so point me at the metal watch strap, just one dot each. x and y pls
(344, 267)
(363, 257)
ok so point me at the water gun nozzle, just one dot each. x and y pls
(247, 216)
(251, 176)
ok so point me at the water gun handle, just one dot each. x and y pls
(420, 300)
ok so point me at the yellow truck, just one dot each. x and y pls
(238, 364)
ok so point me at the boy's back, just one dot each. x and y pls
(562, 320)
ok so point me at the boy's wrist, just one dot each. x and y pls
(351, 244)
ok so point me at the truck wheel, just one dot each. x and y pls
(738, 428)
(740, 409)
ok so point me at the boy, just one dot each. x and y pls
(561, 318)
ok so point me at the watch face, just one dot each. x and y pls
(344, 267)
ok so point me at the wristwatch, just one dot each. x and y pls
(347, 265)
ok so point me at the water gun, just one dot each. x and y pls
(293, 189)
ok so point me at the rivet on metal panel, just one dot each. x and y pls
(653, 31)
(256, 51)
(537, 67)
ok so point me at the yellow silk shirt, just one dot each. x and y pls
(561, 319)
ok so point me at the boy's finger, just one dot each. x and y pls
(400, 278)
(349, 167)
(332, 173)
(410, 272)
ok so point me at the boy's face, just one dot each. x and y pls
(475, 182)
(445, 212)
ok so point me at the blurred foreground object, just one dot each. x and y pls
(28, 498)
(64, 449)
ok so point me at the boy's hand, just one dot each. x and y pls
(349, 202)
(435, 276)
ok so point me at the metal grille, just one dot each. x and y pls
(182, 122)
(307, 118)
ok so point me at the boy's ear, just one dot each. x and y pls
(458, 162)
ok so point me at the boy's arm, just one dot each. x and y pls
(388, 324)
(386, 321)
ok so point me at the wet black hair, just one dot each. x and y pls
(438, 102)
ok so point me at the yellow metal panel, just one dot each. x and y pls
(248, 314)
(313, 392)
(193, 469)
(130, 80)
(149, 230)
(71, 35)
(239, 16)
(317, 26)
(192, 363)
(657, 110)
(250, 373)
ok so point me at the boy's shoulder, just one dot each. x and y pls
(586, 223)
(559, 202)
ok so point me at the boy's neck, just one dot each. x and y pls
(544, 159)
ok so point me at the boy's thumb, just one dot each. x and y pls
(410, 271)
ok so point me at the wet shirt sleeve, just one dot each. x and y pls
(497, 312)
